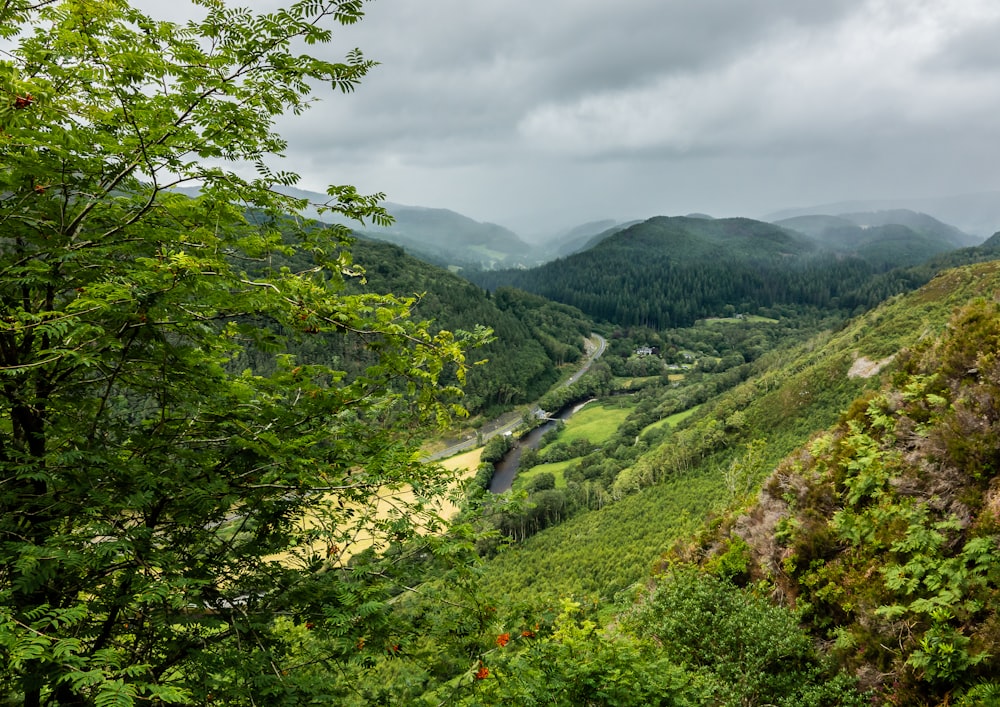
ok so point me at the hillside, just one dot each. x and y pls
(669, 272)
(884, 527)
(532, 336)
(880, 533)
(882, 530)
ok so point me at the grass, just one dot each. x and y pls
(596, 422)
(557, 469)
(754, 318)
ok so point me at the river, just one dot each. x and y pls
(506, 469)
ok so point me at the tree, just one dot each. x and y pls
(168, 521)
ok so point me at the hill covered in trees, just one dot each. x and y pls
(532, 336)
(671, 271)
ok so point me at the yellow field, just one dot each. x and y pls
(465, 464)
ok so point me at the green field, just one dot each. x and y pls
(753, 318)
(557, 469)
(596, 422)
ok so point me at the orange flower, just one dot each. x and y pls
(527, 634)
(502, 639)
(482, 673)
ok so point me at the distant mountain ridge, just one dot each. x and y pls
(977, 214)
(439, 236)
(670, 271)
(897, 237)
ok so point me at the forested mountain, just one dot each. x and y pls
(532, 336)
(671, 271)
(439, 236)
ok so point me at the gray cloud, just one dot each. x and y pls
(538, 115)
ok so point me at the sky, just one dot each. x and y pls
(540, 115)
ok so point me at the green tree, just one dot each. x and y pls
(160, 509)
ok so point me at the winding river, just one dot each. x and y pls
(506, 468)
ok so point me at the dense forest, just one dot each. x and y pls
(669, 272)
(533, 336)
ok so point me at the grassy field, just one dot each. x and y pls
(596, 422)
(754, 318)
(555, 468)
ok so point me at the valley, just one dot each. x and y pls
(662, 470)
(261, 445)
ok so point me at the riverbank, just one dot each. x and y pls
(442, 449)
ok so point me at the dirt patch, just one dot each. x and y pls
(866, 368)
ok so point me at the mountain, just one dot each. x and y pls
(439, 236)
(894, 238)
(976, 215)
(671, 271)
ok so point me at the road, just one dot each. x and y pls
(507, 423)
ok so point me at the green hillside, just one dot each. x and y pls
(879, 536)
(669, 272)
(532, 336)
(884, 527)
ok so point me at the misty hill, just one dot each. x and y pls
(975, 216)
(671, 271)
(891, 237)
(578, 238)
(449, 238)
(439, 236)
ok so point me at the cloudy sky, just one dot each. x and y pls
(542, 114)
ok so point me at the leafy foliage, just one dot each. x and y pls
(163, 506)
(886, 529)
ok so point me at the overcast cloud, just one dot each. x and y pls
(542, 115)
